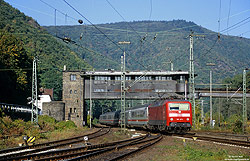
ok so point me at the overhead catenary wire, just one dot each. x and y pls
(150, 16)
(150, 13)
(243, 33)
(92, 24)
(219, 21)
(65, 14)
(151, 9)
(160, 33)
(235, 25)
(55, 23)
(228, 14)
(225, 18)
(239, 25)
(127, 32)
(123, 18)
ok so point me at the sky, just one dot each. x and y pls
(215, 15)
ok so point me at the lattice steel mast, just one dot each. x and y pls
(34, 113)
(244, 100)
(191, 74)
(123, 88)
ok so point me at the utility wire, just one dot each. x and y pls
(151, 9)
(58, 10)
(244, 33)
(219, 21)
(150, 13)
(127, 32)
(160, 33)
(67, 40)
(239, 25)
(209, 50)
(92, 24)
(235, 25)
(122, 18)
(228, 14)
(132, 29)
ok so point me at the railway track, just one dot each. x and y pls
(227, 135)
(120, 151)
(236, 142)
(19, 152)
(91, 152)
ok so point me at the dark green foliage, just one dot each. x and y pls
(24, 34)
(65, 125)
(15, 75)
(18, 127)
(47, 123)
(230, 54)
(95, 121)
(237, 80)
(237, 126)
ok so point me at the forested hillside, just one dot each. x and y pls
(21, 39)
(154, 43)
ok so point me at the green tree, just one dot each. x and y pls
(15, 69)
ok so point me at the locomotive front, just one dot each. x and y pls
(179, 116)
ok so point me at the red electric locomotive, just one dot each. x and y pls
(170, 116)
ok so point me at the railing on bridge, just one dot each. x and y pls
(16, 108)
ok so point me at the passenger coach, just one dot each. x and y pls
(110, 118)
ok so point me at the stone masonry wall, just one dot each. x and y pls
(54, 109)
(73, 96)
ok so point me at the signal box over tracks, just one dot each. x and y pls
(79, 86)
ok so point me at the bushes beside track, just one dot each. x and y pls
(12, 131)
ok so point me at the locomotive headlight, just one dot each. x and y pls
(171, 119)
(187, 119)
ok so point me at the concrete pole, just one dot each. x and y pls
(211, 101)
(90, 101)
(185, 89)
(202, 112)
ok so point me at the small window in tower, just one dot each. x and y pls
(70, 91)
(70, 110)
(72, 77)
(74, 110)
(75, 91)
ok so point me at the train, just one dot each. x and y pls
(171, 116)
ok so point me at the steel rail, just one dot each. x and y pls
(71, 153)
(22, 154)
(94, 154)
(42, 144)
(218, 140)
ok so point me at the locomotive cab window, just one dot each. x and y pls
(179, 106)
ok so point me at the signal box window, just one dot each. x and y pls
(72, 77)
(179, 106)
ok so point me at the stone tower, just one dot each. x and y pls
(73, 97)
